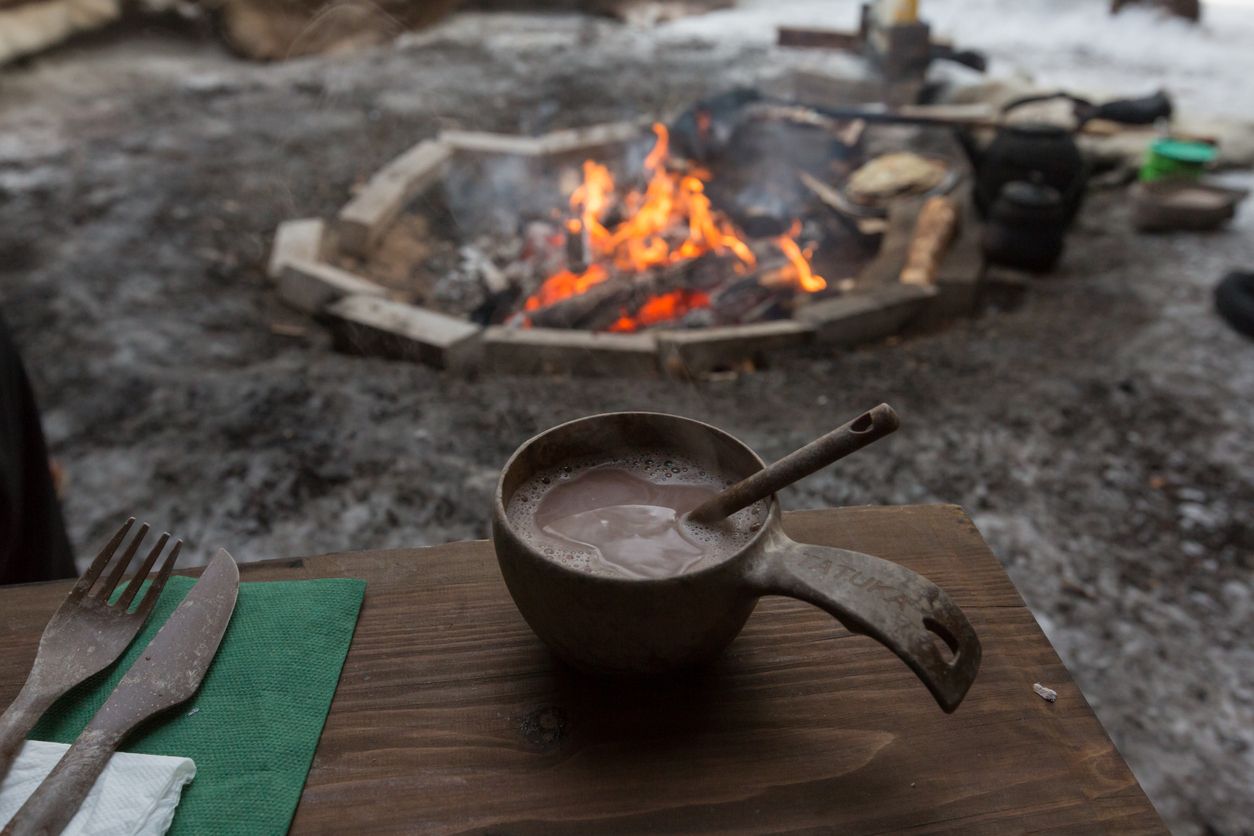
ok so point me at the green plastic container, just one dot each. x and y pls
(1177, 158)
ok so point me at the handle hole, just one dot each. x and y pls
(945, 642)
(862, 423)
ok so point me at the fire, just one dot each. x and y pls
(663, 308)
(563, 284)
(800, 261)
(669, 222)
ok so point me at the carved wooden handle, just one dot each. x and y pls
(897, 607)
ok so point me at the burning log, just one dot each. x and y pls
(576, 247)
(669, 294)
(753, 297)
(603, 304)
(711, 271)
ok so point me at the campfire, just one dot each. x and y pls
(735, 230)
(656, 253)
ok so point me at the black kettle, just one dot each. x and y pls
(1026, 227)
(1031, 152)
(1047, 154)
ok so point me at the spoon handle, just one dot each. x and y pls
(840, 442)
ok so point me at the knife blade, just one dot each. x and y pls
(167, 673)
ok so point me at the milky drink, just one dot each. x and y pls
(624, 516)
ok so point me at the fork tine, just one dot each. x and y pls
(154, 589)
(102, 560)
(115, 574)
(137, 579)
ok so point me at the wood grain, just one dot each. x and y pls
(452, 718)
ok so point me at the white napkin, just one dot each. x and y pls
(136, 795)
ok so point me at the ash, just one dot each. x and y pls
(1102, 435)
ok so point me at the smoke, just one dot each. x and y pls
(498, 194)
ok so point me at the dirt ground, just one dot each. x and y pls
(1102, 434)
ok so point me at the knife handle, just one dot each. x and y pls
(57, 799)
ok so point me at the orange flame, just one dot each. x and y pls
(564, 284)
(663, 308)
(807, 279)
(669, 222)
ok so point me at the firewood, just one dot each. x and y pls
(576, 250)
(749, 298)
(938, 220)
(602, 304)
(573, 310)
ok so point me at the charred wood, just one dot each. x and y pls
(602, 304)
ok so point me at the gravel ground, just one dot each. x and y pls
(1102, 434)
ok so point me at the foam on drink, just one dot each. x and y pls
(624, 516)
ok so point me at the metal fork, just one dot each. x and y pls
(86, 634)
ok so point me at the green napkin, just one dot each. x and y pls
(254, 724)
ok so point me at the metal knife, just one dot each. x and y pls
(167, 673)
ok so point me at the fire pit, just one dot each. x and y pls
(632, 248)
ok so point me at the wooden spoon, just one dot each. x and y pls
(818, 454)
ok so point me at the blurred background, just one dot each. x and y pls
(181, 181)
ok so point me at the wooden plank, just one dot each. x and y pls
(886, 267)
(686, 353)
(386, 328)
(365, 218)
(959, 274)
(858, 318)
(310, 286)
(297, 240)
(592, 138)
(451, 716)
(528, 351)
(483, 142)
(842, 39)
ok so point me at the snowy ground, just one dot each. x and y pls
(1102, 435)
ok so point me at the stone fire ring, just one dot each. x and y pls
(365, 320)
